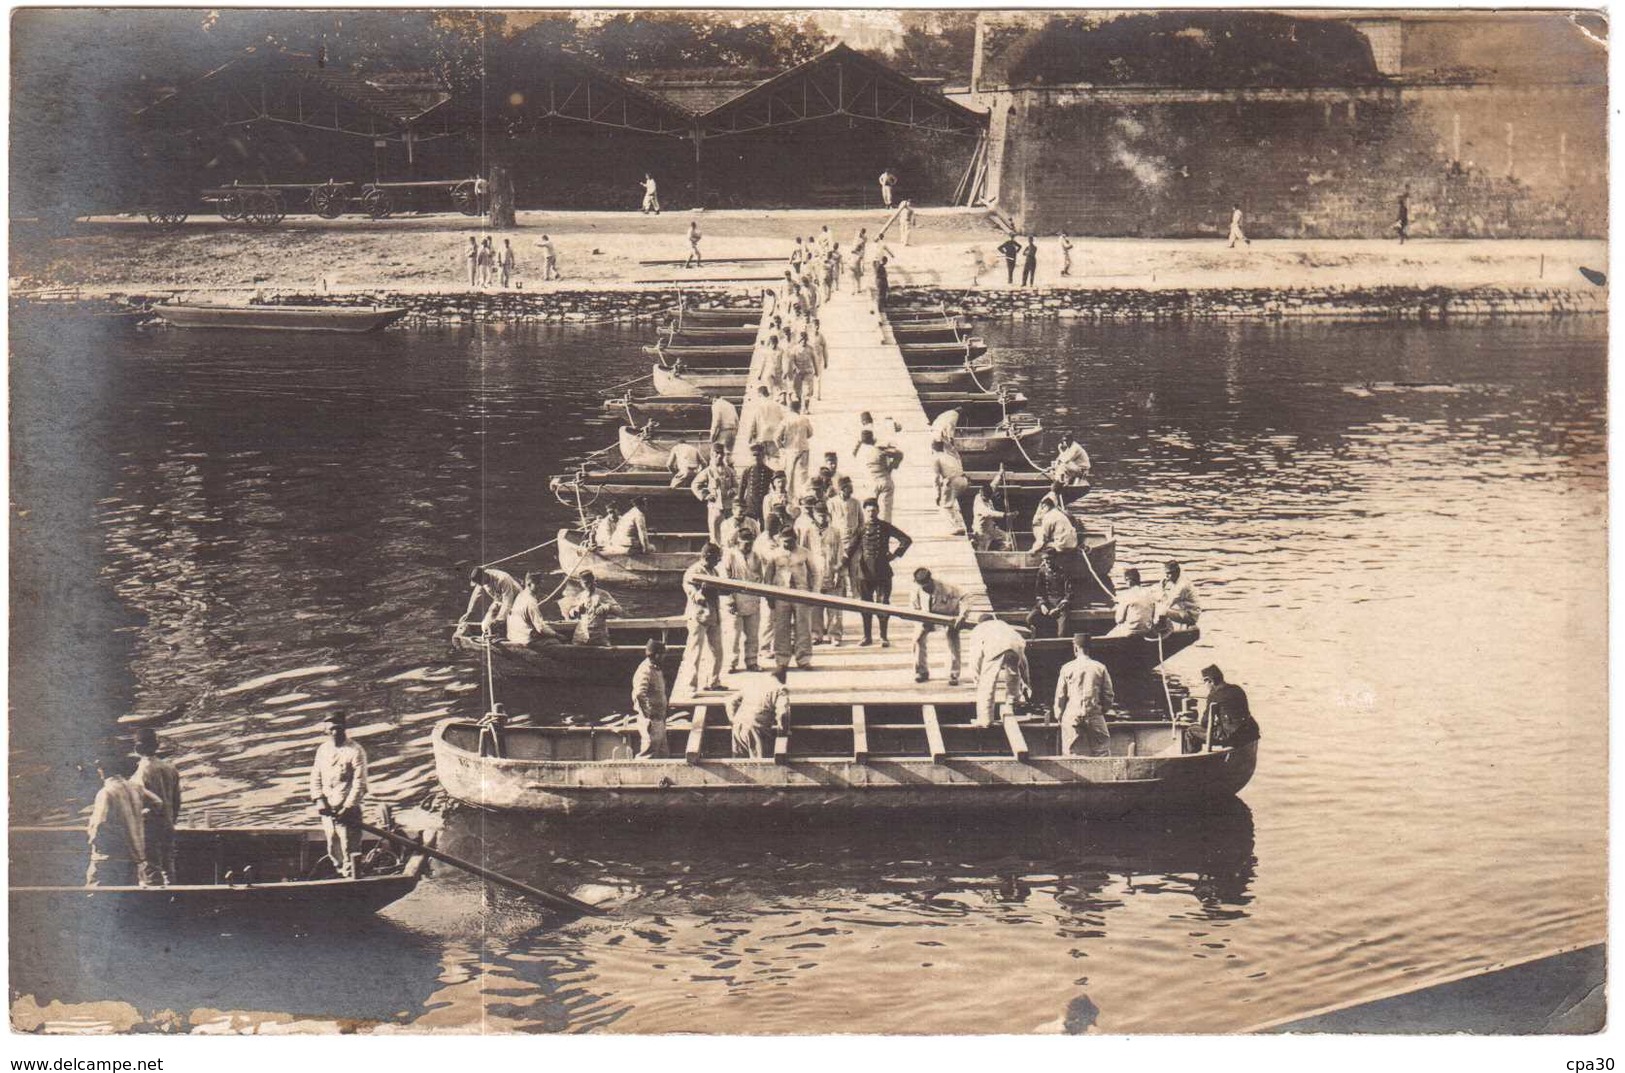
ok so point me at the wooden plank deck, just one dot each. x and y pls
(866, 373)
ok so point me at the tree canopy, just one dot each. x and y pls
(1202, 49)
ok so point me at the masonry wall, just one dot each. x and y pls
(1480, 161)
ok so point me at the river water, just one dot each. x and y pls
(1398, 534)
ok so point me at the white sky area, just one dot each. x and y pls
(860, 29)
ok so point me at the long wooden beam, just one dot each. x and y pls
(819, 599)
(1013, 734)
(696, 736)
(933, 733)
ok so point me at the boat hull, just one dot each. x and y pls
(668, 789)
(999, 443)
(732, 382)
(649, 452)
(738, 355)
(693, 410)
(1126, 658)
(281, 318)
(688, 384)
(48, 866)
(706, 356)
(674, 554)
(564, 662)
(937, 330)
(1011, 567)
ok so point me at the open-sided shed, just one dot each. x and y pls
(822, 132)
(573, 134)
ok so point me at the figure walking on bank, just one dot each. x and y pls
(1236, 232)
(693, 245)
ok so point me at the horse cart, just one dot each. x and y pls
(267, 204)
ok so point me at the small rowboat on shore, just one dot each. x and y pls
(566, 662)
(837, 759)
(281, 318)
(668, 554)
(1019, 565)
(246, 872)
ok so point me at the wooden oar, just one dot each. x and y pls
(546, 897)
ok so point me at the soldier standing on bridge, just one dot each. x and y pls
(869, 554)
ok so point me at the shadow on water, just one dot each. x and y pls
(747, 858)
(354, 969)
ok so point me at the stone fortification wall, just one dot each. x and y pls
(1481, 161)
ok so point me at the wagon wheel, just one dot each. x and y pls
(327, 201)
(466, 198)
(167, 217)
(264, 209)
(232, 206)
(377, 204)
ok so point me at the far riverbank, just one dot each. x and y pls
(612, 268)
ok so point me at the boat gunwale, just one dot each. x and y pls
(510, 763)
(414, 866)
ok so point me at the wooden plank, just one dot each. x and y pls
(696, 736)
(818, 599)
(715, 260)
(933, 733)
(712, 279)
(781, 747)
(860, 734)
(1017, 740)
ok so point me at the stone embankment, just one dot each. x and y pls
(602, 305)
(1355, 303)
(456, 307)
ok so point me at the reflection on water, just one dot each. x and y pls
(1397, 533)
(737, 914)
